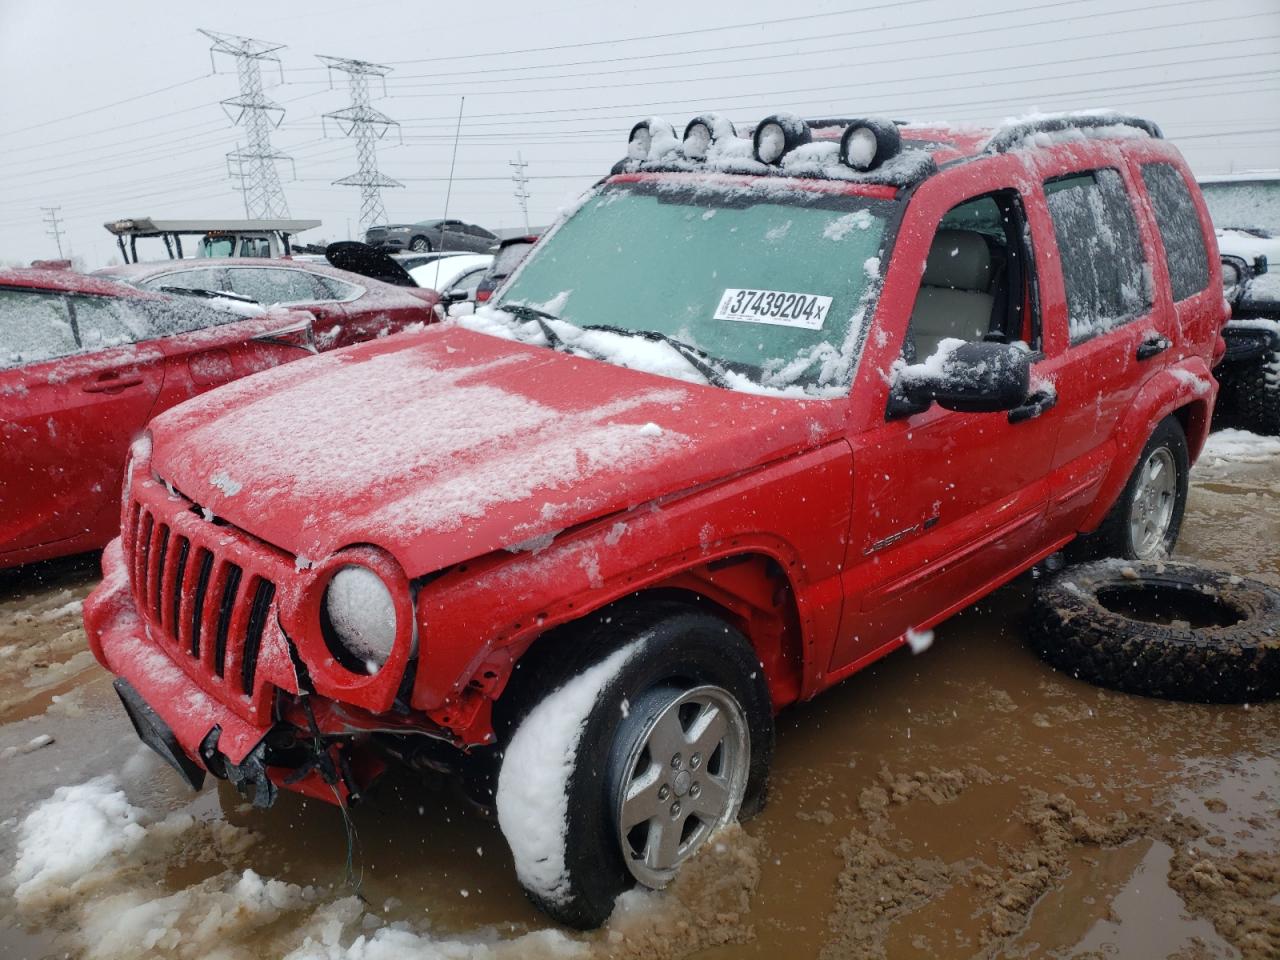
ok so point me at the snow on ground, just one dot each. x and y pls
(1239, 446)
(533, 784)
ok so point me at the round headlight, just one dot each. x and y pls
(1230, 274)
(361, 615)
(703, 131)
(867, 144)
(777, 135)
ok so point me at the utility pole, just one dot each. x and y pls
(254, 165)
(366, 125)
(55, 228)
(522, 187)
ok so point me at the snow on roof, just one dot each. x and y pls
(1245, 176)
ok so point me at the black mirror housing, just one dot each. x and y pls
(983, 377)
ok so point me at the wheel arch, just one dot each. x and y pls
(1186, 396)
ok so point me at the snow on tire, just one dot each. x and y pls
(629, 740)
(1161, 629)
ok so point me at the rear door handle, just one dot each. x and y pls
(1039, 402)
(1153, 346)
(110, 383)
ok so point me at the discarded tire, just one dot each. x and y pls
(1161, 629)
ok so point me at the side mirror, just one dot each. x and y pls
(454, 296)
(980, 377)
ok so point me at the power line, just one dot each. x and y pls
(260, 184)
(108, 106)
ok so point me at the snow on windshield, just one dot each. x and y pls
(768, 283)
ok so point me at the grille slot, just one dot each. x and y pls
(197, 606)
(231, 584)
(263, 594)
(175, 588)
(157, 582)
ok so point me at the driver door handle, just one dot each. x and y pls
(111, 383)
(1039, 402)
(1153, 346)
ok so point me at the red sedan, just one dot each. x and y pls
(85, 362)
(348, 307)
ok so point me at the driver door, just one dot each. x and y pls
(947, 503)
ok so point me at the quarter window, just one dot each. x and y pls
(1180, 232)
(1104, 269)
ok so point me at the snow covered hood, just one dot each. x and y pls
(447, 444)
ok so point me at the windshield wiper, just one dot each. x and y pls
(540, 317)
(700, 360)
(209, 294)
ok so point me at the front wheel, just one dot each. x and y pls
(662, 733)
(420, 245)
(1146, 519)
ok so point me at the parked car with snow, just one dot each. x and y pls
(430, 235)
(756, 413)
(84, 363)
(511, 253)
(347, 307)
(1246, 213)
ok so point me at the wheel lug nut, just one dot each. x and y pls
(695, 790)
(675, 809)
(675, 762)
(663, 792)
(695, 761)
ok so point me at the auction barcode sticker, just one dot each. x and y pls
(807, 310)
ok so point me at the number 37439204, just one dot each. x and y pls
(806, 310)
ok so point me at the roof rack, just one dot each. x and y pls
(1008, 137)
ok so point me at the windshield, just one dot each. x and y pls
(772, 282)
(216, 247)
(1248, 204)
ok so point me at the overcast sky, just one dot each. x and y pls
(562, 82)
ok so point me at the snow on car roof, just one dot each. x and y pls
(68, 281)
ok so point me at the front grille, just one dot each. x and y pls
(206, 607)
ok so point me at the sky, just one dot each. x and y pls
(111, 110)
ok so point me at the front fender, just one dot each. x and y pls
(478, 618)
(1187, 388)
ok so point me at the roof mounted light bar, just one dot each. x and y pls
(1008, 137)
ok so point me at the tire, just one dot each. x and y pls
(1169, 630)
(634, 669)
(420, 245)
(1116, 536)
(1257, 394)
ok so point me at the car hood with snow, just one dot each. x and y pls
(448, 444)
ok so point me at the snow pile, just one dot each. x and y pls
(532, 798)
(66, 837)
(1239, 446)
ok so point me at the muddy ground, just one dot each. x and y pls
(964, 802)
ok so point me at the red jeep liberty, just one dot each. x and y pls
(755, 413)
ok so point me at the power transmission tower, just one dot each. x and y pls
(55, 228)
(366, 125)
(255, 164)
(522, 187)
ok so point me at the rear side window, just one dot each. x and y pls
(1103, 266)
(34, 326)
(274, 286)
(1180, 232)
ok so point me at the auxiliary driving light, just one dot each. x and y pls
(866, 144)
(702, 131)
(640, 143)
(778, 135)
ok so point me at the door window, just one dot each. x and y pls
(977, 281)
(103, 322)
(34, 326)
(1180, 232)
(269, 286)
(1107, 278)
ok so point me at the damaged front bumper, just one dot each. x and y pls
(195, 733)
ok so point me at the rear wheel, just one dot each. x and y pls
(637, 738)
(1145, 521)
(420, 245)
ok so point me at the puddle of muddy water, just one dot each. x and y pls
(965, 802)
